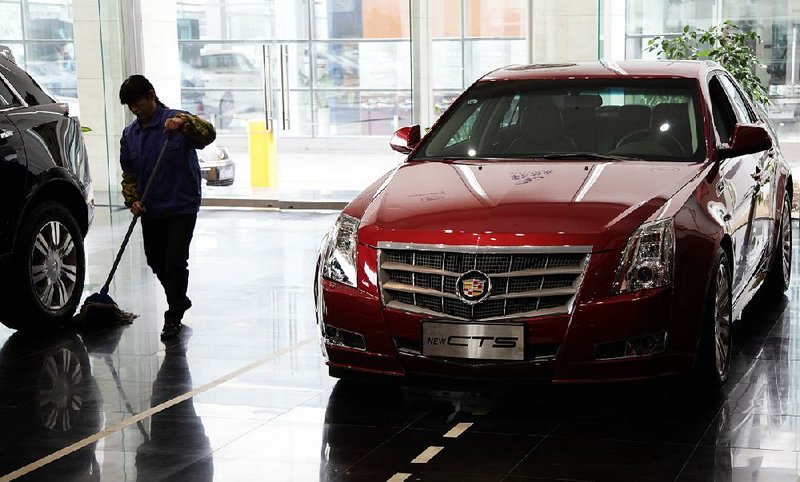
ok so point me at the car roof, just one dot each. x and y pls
(603, 69)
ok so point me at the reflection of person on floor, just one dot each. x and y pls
(173, 201)
(178, 447)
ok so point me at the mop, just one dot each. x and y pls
(100, 308)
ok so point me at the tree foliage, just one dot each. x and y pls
(725, 43)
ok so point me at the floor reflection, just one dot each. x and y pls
(177, 442)
(48, 400)
(660, 430)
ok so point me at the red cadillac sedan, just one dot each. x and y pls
(573, 222)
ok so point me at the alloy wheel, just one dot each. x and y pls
(722, 322)
(54, 265)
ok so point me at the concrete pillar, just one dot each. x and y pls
(159, 37)
(421, 66)
(114, 39)
(100, 71)
(563, 30)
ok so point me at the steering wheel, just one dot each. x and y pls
(664, 139)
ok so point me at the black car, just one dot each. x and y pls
(46, 202)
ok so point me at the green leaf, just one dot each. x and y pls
(725, 43)
(86, 129)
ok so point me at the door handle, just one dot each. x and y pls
(284, 61)
(266, 57)
(4, 134)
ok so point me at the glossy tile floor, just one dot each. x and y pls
(244, 394)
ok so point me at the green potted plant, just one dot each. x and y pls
(725, 43)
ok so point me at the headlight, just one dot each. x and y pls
(648, 258)
(339, 251)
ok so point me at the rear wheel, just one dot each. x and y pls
(49, 262)
(713, 362)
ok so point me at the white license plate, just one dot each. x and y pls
(224, 173)
(473, 340)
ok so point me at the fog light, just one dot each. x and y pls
(339, 337)
(645, 274)
(632, 347)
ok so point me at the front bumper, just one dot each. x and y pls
(559, 348)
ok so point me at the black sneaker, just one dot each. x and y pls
(171, 330)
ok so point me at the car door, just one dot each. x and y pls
(13, 169)
(736, 185)
(763, 213)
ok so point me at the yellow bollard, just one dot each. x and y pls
(263, 148)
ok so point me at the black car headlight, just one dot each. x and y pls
(339, 251)
(648, 258)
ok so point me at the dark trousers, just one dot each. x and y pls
(166, 246)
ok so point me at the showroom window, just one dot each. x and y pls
(333, 68)
(39, 34)
(776, 21)
(472, 37)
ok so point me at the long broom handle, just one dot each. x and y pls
(104, 290)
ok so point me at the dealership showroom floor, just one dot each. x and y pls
(244, 393)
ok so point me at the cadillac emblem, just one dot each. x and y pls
(473, 287)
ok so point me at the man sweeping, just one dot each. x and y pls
(169, 217)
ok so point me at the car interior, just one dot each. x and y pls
(648, 125)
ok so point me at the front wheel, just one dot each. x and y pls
(713, 361)
(780, 268)
(49, 262)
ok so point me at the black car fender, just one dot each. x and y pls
(56, 184)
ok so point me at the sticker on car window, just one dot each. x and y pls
(472, 101)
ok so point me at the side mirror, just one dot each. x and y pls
(747, 139)
(406, 139)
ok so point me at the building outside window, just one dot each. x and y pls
(40, 35)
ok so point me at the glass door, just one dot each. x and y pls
(306, 69)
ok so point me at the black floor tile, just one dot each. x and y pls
(604, 460)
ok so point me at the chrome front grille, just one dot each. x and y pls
(527, 281)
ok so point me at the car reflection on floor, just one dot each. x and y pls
(48, 400)
(659, 430)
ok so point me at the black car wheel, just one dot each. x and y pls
(49, 261)
(713, 362)
(780, 269)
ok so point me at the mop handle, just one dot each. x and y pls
(104, 290)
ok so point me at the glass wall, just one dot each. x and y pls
(776, 21)
(39, 33)
(472, 37)
(331, 68)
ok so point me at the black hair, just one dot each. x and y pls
(134, 88)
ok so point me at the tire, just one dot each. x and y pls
(780, 266)
(713, 361)
(49, 262)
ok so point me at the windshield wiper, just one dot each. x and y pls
(440, 158)
(586, 155)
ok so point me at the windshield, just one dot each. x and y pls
(625, 118)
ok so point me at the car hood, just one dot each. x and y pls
(597, 204)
